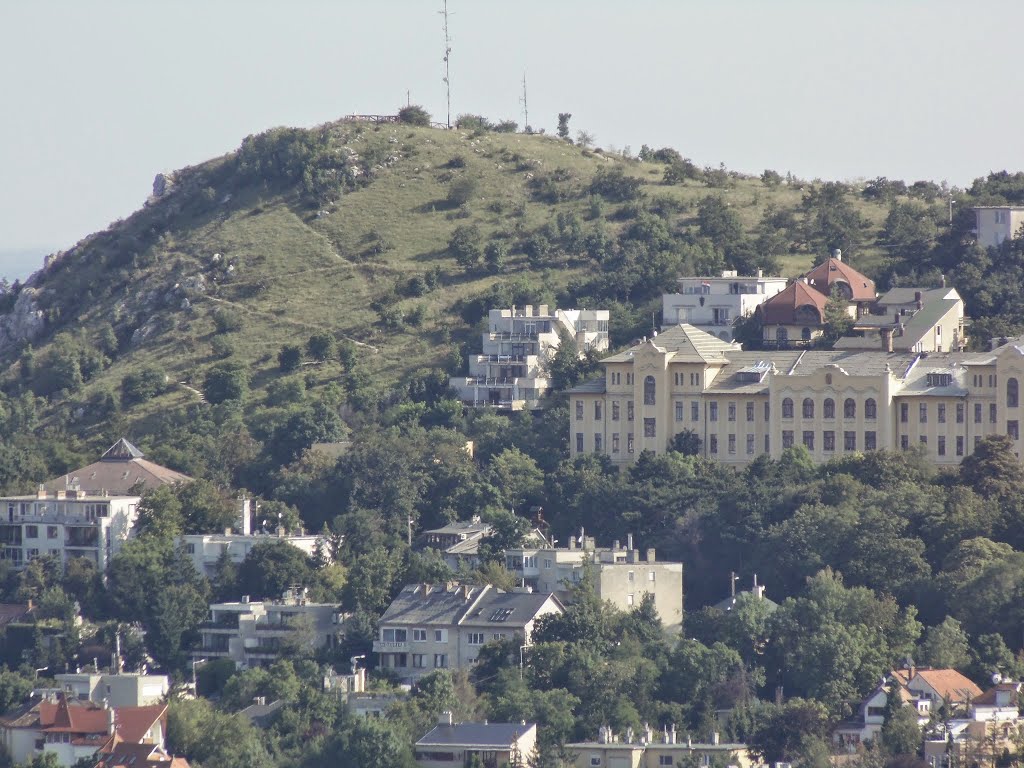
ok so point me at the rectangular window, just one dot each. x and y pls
(922, 415)
(750, 410)
(1013, 429)
(650, 428)
(629, 410)
(767, 411)
(977, 413)
(992, 413)
(598, 443)
(960, 445)
(31, 531)
(849, 441)
(767, 444)
(904, 413)
(732, 410)
(476, 638)
(808, 439)
(679, 411)
(615, 410)
(51, 531)
(942, 446)
(419, 635)
(419, 661)
(904, 442)
(732, 443)
(712, 411)
(750, 445)
(579, 442)
(787, 438)
(959, 413)
(597, 410)
(440, 635)
(579, 410)
(631, 576)
(713, 444)
(665, 760)
(828, 440)
(870, 441)
(695, 411)
(440, 661)
(393, 635)
(615, 443)
(629, 443)
(941, 408)
(924, 439)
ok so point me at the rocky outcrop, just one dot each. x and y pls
(25, 321)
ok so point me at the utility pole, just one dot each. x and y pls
(447, 55)
(526, 110)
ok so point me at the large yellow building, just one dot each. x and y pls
(745, 404)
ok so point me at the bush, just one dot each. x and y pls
(143, 385)
(222, 347)
(466, 245)
(289, 358)
(771, 178)
(286, 391)
(614, 184)
(414, 115)
(495, 255)
(225, 382)
(506, 126)
(472, 123)
(461, 191)
(227, 320)
(320, 346)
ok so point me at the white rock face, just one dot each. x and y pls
(24, 322)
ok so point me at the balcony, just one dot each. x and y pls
(390, 646)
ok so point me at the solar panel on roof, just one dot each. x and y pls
(501, 614)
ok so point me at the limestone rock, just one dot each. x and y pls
(24, 322)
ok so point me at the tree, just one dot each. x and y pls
(414, 114)
(584, 139)
(289, 358)
(563, 124)
(273, 567)
(225, 382)
(466, 246)
(205, 736)
(143, 385)
(517, 477)
(686, 442)
(494, 256)
(838, 322)
(320, 346)
(160, 514)
(901, 735)
(946, 646)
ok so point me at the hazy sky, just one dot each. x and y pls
(99, 96)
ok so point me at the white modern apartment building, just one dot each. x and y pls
(114, 689)
(511, 372)
(713, 304)
(65, 524)
(619, 574)
(254, 634)
(996, 223)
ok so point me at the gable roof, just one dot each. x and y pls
(482, 735)
(781, 308)
(947, 682)
(452, 604)
(683, 342)
(832, 271)
(120, 754)
(508, 609)
(119, 469)
(988, 698)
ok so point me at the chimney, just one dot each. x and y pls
(615, 546)
(244, 522)
(629, 541)
(755, 582)
(886, 334)
(837, 254)
(424, 590)
(714, 738)
(650, 555)
(572, 542)
(446, 718)
(672, 734)
(732, 583)
(41, 492)
(919, 299)
(943, 277)
(760, 272)
(61, 495)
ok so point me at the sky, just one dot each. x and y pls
(97, 97)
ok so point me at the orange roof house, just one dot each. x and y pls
(797, 304)
(834, 272)
(939, 684)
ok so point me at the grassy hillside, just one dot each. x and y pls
(282, 246)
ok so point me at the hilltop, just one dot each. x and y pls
(346, 230)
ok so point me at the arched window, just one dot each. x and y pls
(787, 408)
(781, 334)
(1012, 393)
(850, 408)
(805, 334)
(829, 408)
(870, 410)
(808, 409)
(649, 390)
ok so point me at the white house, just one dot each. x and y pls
(996, 223)
(713, 304)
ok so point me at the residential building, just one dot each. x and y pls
(996, 223)
(124, 755)
(494, 745)
(742, 405)
(911, 320)
(262, 714)
(65, 524)
(992, 723)
(511, 372)
(459, 542)
(619, 574)
(795, 317)
(115, 689)
(651, 749)
(123, 470)
(938, 685)
(713, 304)
(254, 634)
(444, 626)
(867, 724)
(73, 730)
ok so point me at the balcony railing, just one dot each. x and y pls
(390, 646)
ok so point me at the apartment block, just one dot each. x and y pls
(996, 223)
(254, 634)
(741, 405)
(714, 303)
(511, 371)
(114, 689)
(65, 524)
(444, 626)
(619, 574)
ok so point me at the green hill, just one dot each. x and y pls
(345, 230)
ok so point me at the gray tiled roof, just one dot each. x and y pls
(482, 735)
(445, 605)
(685, 342)
(506, 609)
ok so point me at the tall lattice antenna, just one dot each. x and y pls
(526, 109)
(447, 56)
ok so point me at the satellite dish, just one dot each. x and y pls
(997, 678)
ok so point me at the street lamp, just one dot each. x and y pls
(195, 687)
(521, 662)
(952, 202)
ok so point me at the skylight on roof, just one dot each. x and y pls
(501, 614)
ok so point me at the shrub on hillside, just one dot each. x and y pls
(320, 346)
(414, 114)
(289, 358)
(461, 191)
(142, 385)
(225, 382)
(613, 184)
(227, 320)
(466, 245)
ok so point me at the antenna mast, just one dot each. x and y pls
(526, 111)
(447, 54)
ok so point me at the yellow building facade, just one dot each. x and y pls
(742, 405)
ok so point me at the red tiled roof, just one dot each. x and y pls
(133, 722)
(988, 698)
(833, 271)
(122, 755)
(949, 682)
(781, 308)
